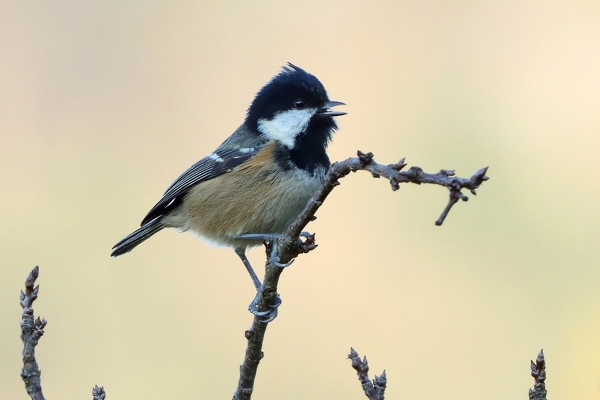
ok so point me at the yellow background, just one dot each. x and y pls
(104, 103)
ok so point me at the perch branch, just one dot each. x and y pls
(289, 246)
(288, 243)
(31, 331)
(375, 389)
(538, 371)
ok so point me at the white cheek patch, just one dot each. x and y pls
(286, 125)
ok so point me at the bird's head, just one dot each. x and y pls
(292, 107)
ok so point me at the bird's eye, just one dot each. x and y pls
(299, 104)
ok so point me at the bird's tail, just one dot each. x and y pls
(133, 239)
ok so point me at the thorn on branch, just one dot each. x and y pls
(375, 389)
(398, 167)
(479, 177)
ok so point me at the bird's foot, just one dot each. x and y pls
(275, 261)
(271, 239)
(268, 315)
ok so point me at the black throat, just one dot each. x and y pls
(309, 151)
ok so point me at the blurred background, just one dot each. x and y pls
(103, 104)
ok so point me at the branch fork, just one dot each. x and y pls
(374, 389)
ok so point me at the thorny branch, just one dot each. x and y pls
(31, 331)
(289, 246)
(538, 371)
(375, 389)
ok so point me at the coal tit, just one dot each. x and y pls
(258, 180)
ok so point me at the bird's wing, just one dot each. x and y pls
(236, 150)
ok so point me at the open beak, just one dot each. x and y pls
(326, 112)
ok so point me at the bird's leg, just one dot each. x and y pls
(270, 314)
(241, 252)
(275, 260)
(267, 237)
(271, 237)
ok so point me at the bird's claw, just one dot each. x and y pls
(275, 261)
(268, 315)
(272, 238)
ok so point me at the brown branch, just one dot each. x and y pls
(31, 331)
(538, 371)
(395, 175)
(288, 243)
(267, 299)
(289, 246)
(375, 389)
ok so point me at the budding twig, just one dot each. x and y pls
(538, 371)
(31, 331)
(375, 389)
(98, 393)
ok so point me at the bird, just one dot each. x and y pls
(256, 183)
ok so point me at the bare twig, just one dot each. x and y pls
(538, 371)
(289, 246)
(31, 331)
(375, 389)
(288, 243)
(98, 393)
